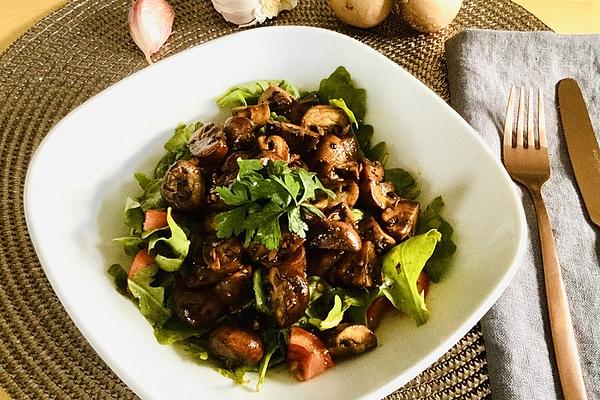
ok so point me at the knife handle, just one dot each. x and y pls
(565, 348)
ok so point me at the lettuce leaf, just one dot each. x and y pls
(131, 244)
(133, 215)
(174, 331)
(405, 184)
(248, 94)
(152, 197)
(151, 299)
(401, 268)
(181, 136)
(178, 243)
(339, 85)
(431, 218)
(119, 278)
(340, 103)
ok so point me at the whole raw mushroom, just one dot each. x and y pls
(429, 15)
(361, 13)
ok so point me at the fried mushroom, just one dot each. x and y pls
(400, 220)
(273, 148)
(199, 309)
(208, 144)
(288, 296)
(183, 186)
(375, 193)
(239, 132)
(370, 230)
(326, 119)
(347, 339)
(235, 346)
(279, 100)
(259, 114)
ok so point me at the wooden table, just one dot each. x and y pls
(564, 16)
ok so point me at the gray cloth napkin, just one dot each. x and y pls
(482, 66)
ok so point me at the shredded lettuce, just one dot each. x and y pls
(178, 243)
(248, 94)
(401, 268)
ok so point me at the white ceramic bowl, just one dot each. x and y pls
(82, 172)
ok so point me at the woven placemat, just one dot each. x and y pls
(83, 48)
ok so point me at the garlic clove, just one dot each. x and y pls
(249, 12)
(239, 12)
(150, 25)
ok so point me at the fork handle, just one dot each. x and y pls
(565, 348)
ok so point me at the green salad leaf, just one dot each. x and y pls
(133, 215)
(260, 297)
(260, 201)
(178, 244)
(248, 94)
(119, 278)
(401, 268)
(405, 184)
(192, 350)
(339, 85)
(131, 244)
(431, 218)
(174, 331)
(273, 342)
(181, 136)
(340, 103)
(152, 197)
(150, 298)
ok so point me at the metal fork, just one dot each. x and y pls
(526, 160)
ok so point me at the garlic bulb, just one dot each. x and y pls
(150, 25)
(249, 12)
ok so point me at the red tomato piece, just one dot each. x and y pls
(307, 355)
(142, 260)
(378, 308)
(155, 219)
(423, 283)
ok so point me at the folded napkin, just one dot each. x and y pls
(482, 66)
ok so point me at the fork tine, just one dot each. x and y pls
(530, 131)
(521, 117)
(541, 121)
(509, 120)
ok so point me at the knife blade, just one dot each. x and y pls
(581, 145)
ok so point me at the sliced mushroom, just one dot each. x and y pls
(273, 148)
(321, 262)
(235, 346)
(342, 212)
(374, 193)
(337, 158)
(347, 339)
(239, 132)
(289, 257)
(332, 235)
(288, 296)
(298, 138)
(400, 220)
(370, 229)
(209, 144)
(346, 191)
(199, 309)
(278, 99)
(223, 255)
(326, 119)
(235, 290)
(301, 107)
(258, 114)
(360, 269)
(183, 187)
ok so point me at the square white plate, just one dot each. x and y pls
(81, 173)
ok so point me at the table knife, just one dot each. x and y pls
(581, 144)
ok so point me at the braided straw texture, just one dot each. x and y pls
(85, 47)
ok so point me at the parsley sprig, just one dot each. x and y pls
(262, 195)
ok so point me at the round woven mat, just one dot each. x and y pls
(81, 49)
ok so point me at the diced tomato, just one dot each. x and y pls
(155, 219)
(423, 283)
(307, 355)
(378, 308)
(142, 260)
